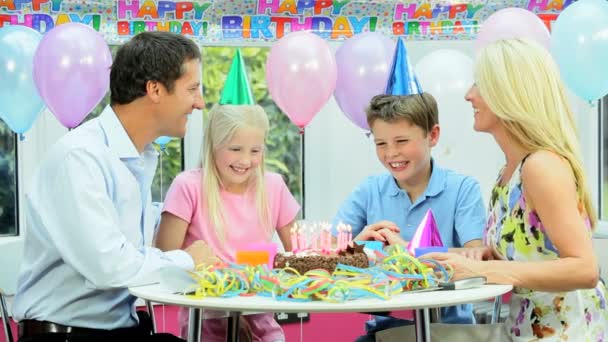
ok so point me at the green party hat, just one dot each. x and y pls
(236, 89)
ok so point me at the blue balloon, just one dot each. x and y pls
(20, 103)
(162, 140)
(579, 42)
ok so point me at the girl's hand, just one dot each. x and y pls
(371, 232)
(463, 267)
(202, 253)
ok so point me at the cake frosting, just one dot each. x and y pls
(307, 260)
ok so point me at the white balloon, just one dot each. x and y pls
(447, 75)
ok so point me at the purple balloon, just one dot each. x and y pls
(364, 62)
(72, 71)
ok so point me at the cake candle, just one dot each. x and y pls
(294, 240)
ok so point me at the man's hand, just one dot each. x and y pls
(371, 232)
(201, 253)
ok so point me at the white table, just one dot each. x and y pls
(419, 301)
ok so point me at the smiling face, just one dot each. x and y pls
(485, 119)
(405, 150)
(238, 159)
(175, 106)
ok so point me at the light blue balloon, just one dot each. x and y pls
(162, 140)
(579, 42)
(20, 103)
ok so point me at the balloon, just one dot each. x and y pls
(72, 71)
(19, 99)
(445, 73)
(426, 235)
(509, 23)
(301, 75)
(363, 63)
(162, 140)
(580, 47)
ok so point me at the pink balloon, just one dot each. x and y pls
(510, 23)
(301, 75)
(72, 71)
(364, 62)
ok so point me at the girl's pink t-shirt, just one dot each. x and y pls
(242, 226)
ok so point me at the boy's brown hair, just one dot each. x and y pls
(420, 110)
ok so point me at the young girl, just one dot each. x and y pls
(230, 202)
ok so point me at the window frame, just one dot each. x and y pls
(601, 231)
(17, 222)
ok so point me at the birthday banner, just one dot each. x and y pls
(267, 20)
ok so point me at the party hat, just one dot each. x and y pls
(236, 89)
(402, 80)
(426, 235)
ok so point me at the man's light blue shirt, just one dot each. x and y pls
(90, 222)
(454, 199)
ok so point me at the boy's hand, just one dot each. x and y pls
(201, 253)
(392, 238)
(371, 232)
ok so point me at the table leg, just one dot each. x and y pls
(496, 309)
(423, 326)
(194, 325)
(233, 327)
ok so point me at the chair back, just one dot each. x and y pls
(12, 253)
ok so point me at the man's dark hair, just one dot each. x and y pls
(149, 56)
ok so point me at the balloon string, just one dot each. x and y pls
(162, 149)
(302, 172)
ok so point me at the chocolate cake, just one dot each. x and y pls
(310, 260)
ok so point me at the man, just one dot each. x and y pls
(89, 211)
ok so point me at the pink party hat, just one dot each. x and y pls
(426, 235)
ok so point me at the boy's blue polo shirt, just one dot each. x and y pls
(456, 203)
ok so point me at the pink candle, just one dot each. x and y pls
(294, 240)
(302, 239)
(340, 237)
(350, 234)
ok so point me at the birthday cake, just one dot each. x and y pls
(310, 259)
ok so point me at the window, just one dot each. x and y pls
(283, 142)
(603, 205)
(8, 182)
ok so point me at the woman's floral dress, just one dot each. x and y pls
(516, 233)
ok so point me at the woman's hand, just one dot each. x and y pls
(372, 232)
(463, 267)
(475, 253)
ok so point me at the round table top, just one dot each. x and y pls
(405, 301)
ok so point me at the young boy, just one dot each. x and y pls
(389, 207)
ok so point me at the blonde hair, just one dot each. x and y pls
(222, 123)
(419, 109)
(520, 83)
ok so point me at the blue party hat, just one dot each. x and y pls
(402, 80)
